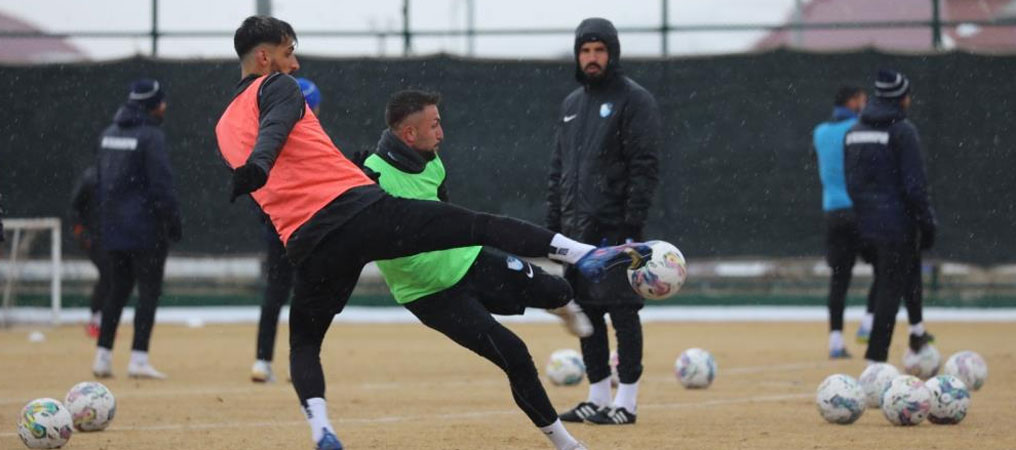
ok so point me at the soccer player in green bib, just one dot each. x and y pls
(455, 291)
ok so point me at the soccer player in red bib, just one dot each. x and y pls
(333, 218)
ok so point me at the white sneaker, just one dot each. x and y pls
(144, 371)
(261, 372)
(578, 446)
(102, 367)
(575, 321)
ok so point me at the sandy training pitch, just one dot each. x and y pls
(407, 387)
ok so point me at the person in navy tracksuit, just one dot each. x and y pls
(842, 241)
(887, 183)
(139, 216)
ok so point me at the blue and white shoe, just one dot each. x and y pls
(595, 264)
(329, 442)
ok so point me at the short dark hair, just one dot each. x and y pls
(404, 103)
(256, 30)
(845, 93)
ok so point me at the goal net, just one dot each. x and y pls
(23, 260)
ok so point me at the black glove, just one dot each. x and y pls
(175, 231)
(360, 159)
(246, 179)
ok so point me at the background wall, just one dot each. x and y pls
(738, 172)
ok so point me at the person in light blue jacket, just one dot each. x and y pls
(843, 243)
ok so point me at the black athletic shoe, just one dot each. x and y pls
(918, 342)
(595, 264)
(580, 413)
(612, 416)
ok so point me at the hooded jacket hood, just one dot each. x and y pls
(131, 114)
(883, 112)
(598, 30)
(391, 149)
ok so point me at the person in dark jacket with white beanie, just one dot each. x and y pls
(139, 216)
(886, 180)
(603, 176)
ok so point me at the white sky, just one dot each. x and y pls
(321, 15)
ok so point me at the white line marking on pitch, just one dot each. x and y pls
(448, 416)
(400, 384)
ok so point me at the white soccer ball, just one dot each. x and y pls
(950, 400)
(923, 364)
(907, 401)
(874, 381)
(92, 406)
(565, 367)
(695, 368)
(969, 367)
(663, 275)
(840, 399)
(44, 423)
(615, 378)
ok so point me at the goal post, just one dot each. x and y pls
(20, 233)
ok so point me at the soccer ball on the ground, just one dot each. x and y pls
(840, 399)
(923, 364)
(44, 423)
(695, 368)
(92, 406)
(874, 381)
(907, 401)
(615, 378)
(565, 367)
(950, 400)
(663, 275)
(969, 367)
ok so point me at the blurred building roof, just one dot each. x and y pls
(19, 50)
(995, 39)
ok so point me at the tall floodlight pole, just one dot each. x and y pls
(664, 27)
(264, 7)
(798, 20)
(155, 28)
(471, 27)
(936, 26)
(407, 39)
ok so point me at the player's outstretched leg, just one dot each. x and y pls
(462, 318)
(439, 226)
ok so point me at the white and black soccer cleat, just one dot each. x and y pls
(612, 416)
(580, 413)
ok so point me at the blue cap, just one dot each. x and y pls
(310, 92)
(147, 93)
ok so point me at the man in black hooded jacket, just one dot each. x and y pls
(886, 180)
(602, 178)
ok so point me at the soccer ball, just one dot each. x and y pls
(874, 381)
(949, 400)
(44, 423)
(923, 364)
(907, 401)
(695, 368)
(615, 379)
(565, 367)
(92, 406)
(969, 367)
(840, 399)
(663, 275)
